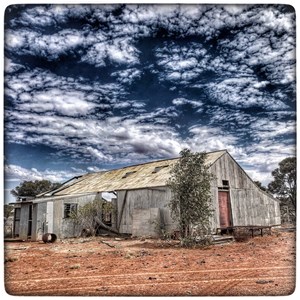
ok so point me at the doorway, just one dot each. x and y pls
(17, 217)
(224, 209)
(29, 222)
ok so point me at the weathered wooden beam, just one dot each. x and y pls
(122, 210)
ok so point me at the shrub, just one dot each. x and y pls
(191, 200)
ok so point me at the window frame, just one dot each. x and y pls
(69, 208)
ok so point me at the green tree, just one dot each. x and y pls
(33, 188)
(8, 209)
(190, 204)
(259, 184)
(8, 227)
(284, 184)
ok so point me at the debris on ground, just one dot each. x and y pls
(107, 244)
(103, 266)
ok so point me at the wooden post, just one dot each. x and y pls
(122, 209)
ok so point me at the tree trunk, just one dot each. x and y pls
(102, 225)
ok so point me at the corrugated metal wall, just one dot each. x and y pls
(64, 227)
(138, 206)
(24, 217)
(48, 217)
(39, 220)
(249, 205)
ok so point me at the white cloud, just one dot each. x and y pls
(127, 76)
(18, 173)
(173, 76)
(21, 173)
(44, 92)
(206, 138)
(263, 158)
(243, 92)
(193, 103)
(260, 84)
(10, 66)
(98, 154)
(43, 16)
(95, 169)
(118, 51)
(113, 136)
(65, 102)
(269, 129)
(14, 39)
(149, 14)
(122, 52)
(235, 9)
(181, 63)
(27, 41)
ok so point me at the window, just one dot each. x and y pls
(225, 182)
(157, 169)
(128, 173)
(69, 208)
(106, 218)
(225, 185)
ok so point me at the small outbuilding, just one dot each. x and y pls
(140, 197)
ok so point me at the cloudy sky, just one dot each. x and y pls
(93, 87)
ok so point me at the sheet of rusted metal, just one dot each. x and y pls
(49, 238)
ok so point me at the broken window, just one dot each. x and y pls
(106, 215)
(157, 169)
(69, 208)
(225, 182)
(128, 173)
(225, 185)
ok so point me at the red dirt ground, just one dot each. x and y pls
(87, 267)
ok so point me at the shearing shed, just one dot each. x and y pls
(140, 197)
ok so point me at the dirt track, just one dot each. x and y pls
(261, 266)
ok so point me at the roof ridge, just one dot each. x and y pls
(149, 162)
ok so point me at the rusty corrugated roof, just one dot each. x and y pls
(152, 174)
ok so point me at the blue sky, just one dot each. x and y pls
(96, 87)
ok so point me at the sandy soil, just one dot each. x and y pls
(262, 266)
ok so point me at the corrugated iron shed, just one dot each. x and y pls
(152, 174)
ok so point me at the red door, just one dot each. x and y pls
(224, 208)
